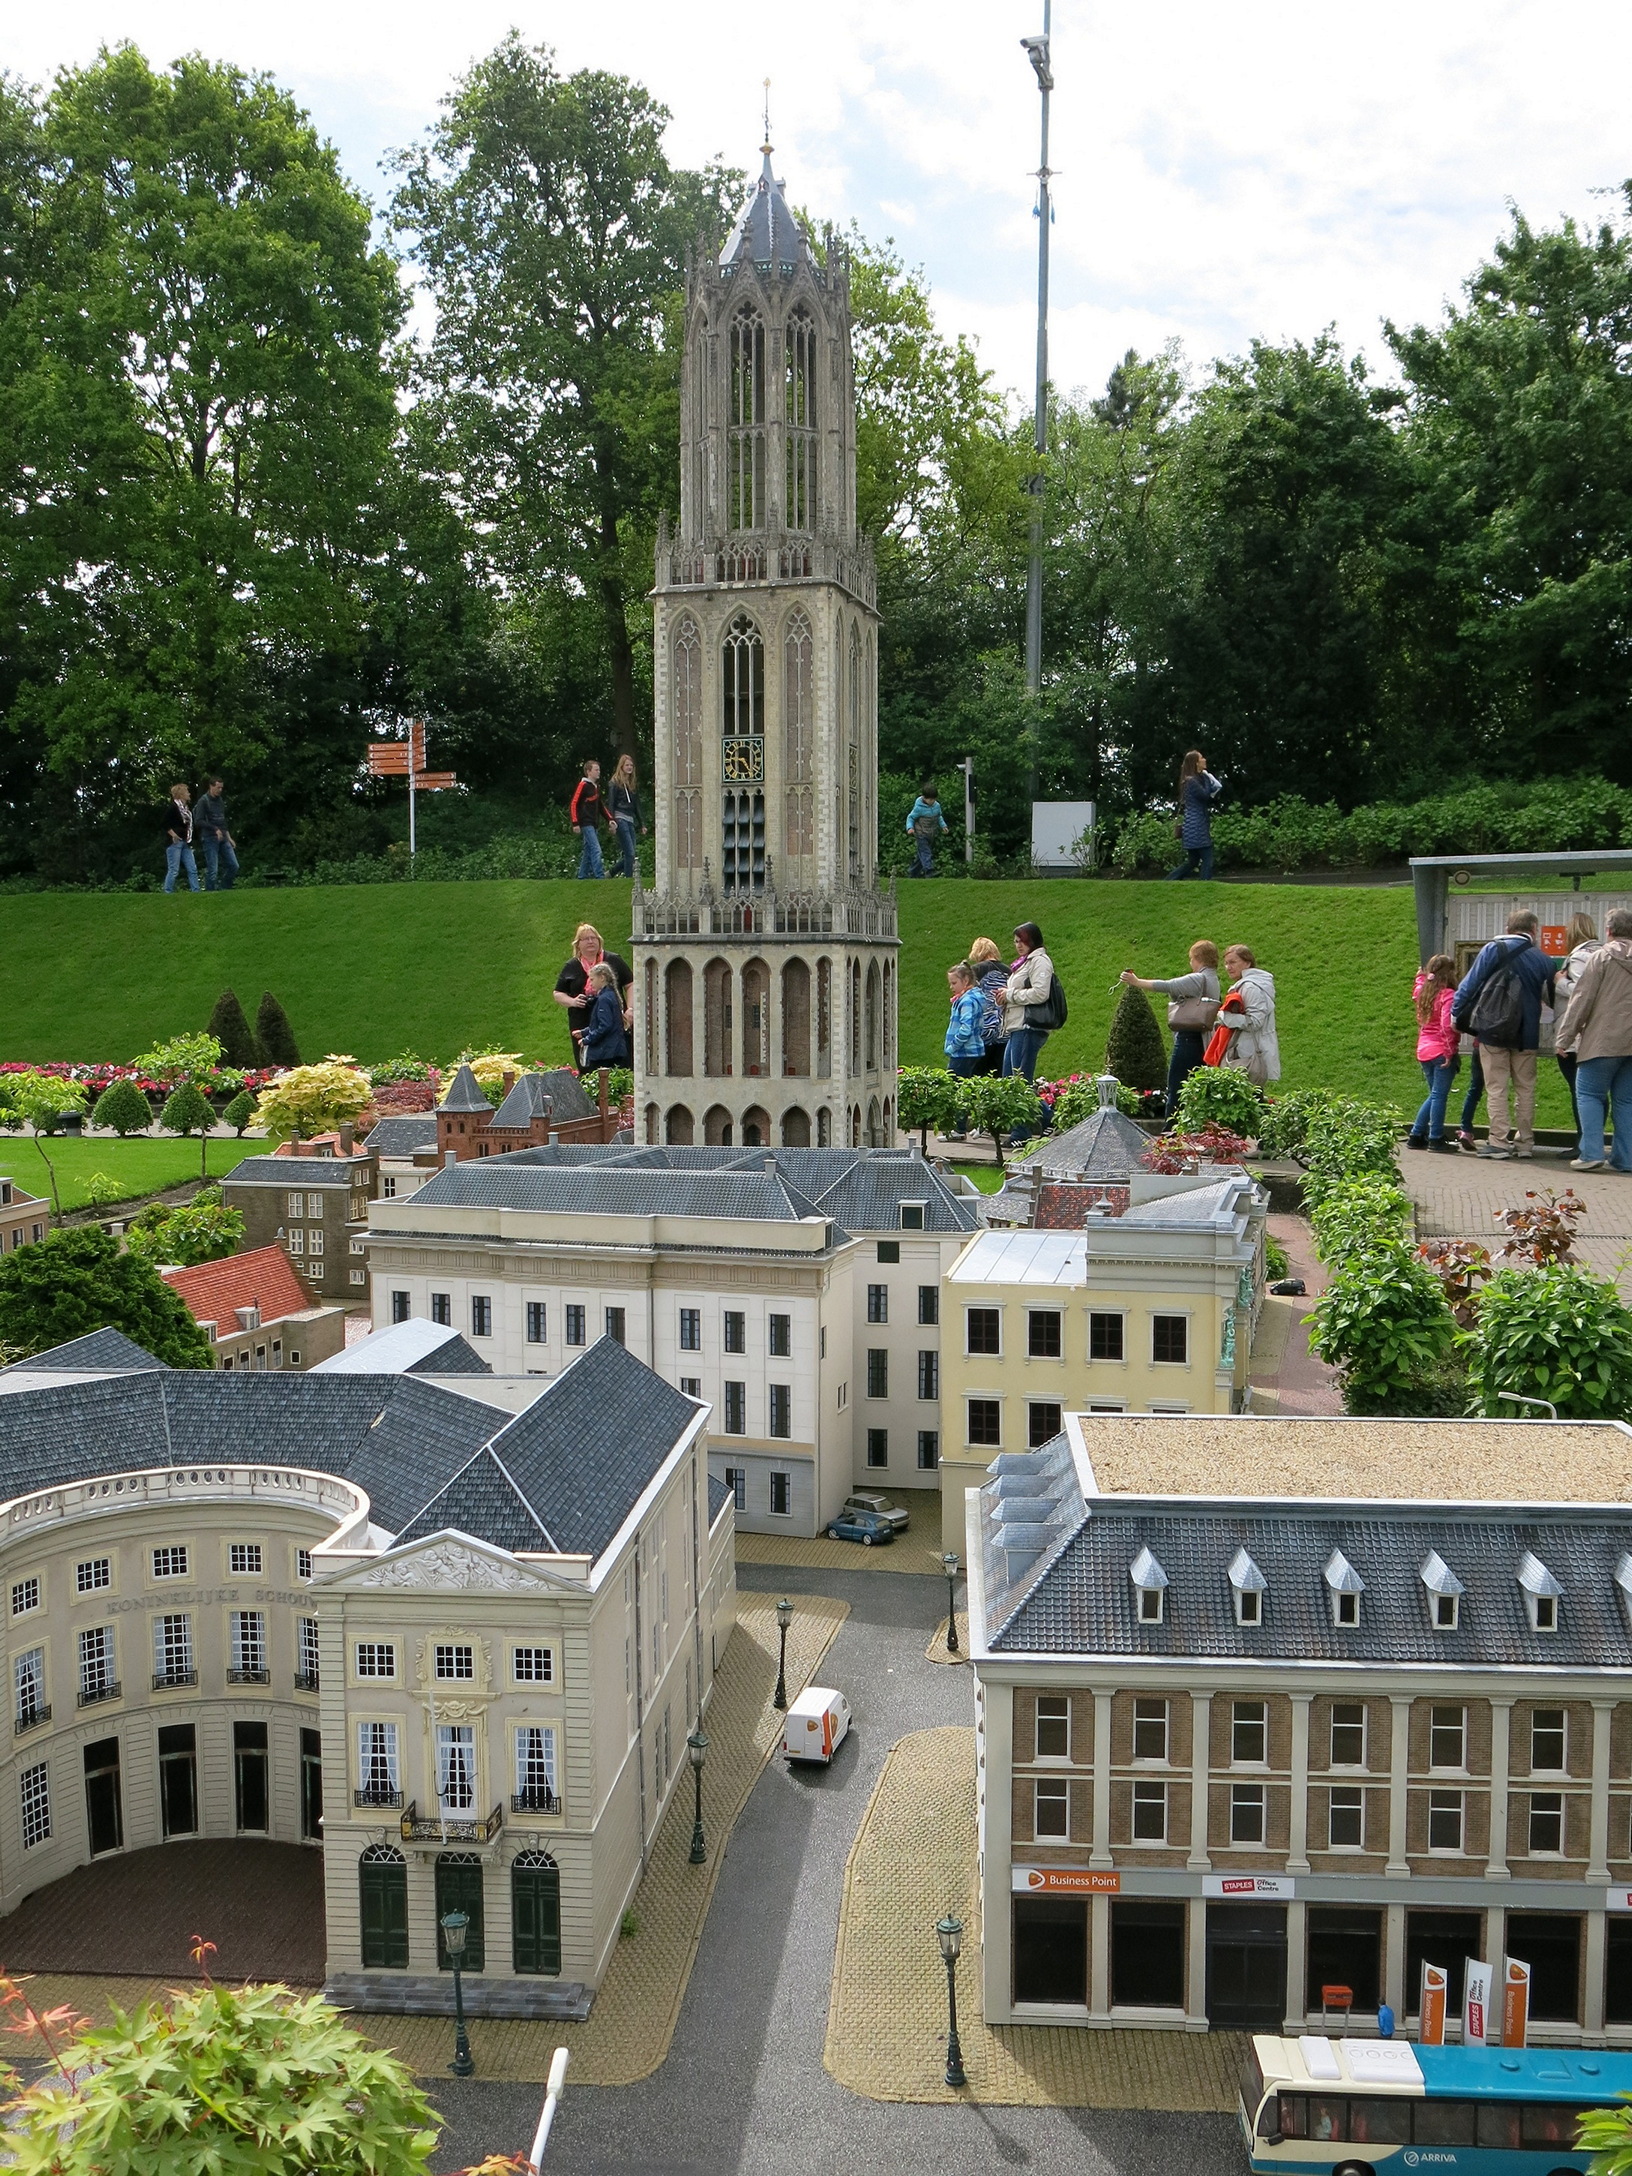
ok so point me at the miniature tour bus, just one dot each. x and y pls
(1346, 2107)
(816, 1725)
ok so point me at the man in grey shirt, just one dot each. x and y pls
(210, 829)
(1192, 1008)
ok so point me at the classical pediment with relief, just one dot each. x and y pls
(450, 1566)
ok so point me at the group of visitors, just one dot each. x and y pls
(207, 825)
(618, 810)
(1235, 1027)
(1499, 1008)
(593, 989)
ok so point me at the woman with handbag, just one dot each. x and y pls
(1192, 1008)
(1254, 1047)
(1029, 992)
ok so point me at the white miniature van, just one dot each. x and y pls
(816, 1725)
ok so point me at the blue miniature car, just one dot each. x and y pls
(863, 1526)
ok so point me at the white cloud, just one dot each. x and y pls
(1266, 169)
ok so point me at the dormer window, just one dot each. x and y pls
(1542, 1593)
(1345, 1586)
(1445, 1592)
(1248, 1586)
(1150, 1587)
(1623, 1580)
(912, 1215)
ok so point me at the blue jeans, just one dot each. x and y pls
(589, 861)
(626, 843)
(1198, 861)
(218, 855)
(1476, 1088)
(178, 855)
(1188, 1050)
(1603, 1087)
(926, 858)
(1020, 1054)
(1429, 1123)
(964, 1069)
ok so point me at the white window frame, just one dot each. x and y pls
(34, 1799)
(247, 1637)
(371, 1670)
(1333, 1726)
(174, 1658)
(1061, 1701)
(98, 1662)
(1240, 1721)
(28, 1687)
(544, 1674)
(1550, 1768)
(1446, 1806)
(1149, 1793)
(93, 1575)
(243, 1558)
(1172, 1314)
(1249, 1803)
(1545, 1806)
(25, 1595)
(453, 1662)
(969, 1352)
(164, 1561)
(1354, 1798)
(1459, 1766)
(1055, 1792)
(1162, 1722)
(379, 1764)
(457, 1783)
(535, 1758)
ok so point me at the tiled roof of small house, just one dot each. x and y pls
(214, 1291)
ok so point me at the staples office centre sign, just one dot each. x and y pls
(1248, 1885)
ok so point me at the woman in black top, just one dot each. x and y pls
(572, 991)
(623, 806)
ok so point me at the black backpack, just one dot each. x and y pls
(1497, 1017)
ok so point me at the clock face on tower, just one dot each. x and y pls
(765, 994)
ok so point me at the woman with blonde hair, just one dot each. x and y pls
(990, 978)
(572, 991)
(623, 806)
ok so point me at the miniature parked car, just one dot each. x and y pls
(863, 1526)
(816, 1725)
(864, 1499)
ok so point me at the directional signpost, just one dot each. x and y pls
(406, 759)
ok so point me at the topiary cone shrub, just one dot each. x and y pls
(1134, 1050)
(229, 1024)
(273, 1034)
(123, 1108)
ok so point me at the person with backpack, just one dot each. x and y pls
(1192, 1010)
(588, 813)
(1033, 1007)
(965, 1046)
(1438, 1048)
(924, 826)
(992, 977)
(1498, 1002)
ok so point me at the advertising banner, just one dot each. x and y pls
(1476, 2005)
(1431, 2005)
(1515, 2003)
(1062, 1881)
(1272, 1885)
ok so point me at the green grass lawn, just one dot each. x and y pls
(372, 969)
(140, 1166)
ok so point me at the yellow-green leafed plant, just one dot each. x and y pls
(247, 2081)
(1607, 2134)
(313, 1098)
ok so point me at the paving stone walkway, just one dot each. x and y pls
(1461, 1197)
(910, 1552)
(1286, 1377)
(627, 2033)
(912, 1862)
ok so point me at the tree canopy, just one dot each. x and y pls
(75, 1280)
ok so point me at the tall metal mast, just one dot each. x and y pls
(1037, 50)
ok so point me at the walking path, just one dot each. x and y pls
(1461, 1197)
(1286, 1377)
(744, 2091)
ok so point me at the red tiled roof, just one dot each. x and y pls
(262, 1278)
(1062, 1207)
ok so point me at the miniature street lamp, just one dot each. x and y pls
(949, 1564)
(454, 1928)
(697, 1747)
(949, 1933)
(784, 1617)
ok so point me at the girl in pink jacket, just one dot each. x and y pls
(1437, 1045)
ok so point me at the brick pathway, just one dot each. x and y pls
(135, 1915)
(1286, 1377)
(628, 2031)
(1460, 1197)
(913, 1860)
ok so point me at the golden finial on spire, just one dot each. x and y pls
(766, 145)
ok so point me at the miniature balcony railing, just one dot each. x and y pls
(249, 1677)
(377, 1794)
(31, 1719)
(89, 1695)
(164, 1678)
(535, 1798)
(450, 1828)
(305, 1681)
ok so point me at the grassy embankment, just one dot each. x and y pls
(374, 969)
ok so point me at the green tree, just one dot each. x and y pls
(200, 382)
(551, 232)
(1134, 1050)
(233, 1035)
(186, 1111)
(39, 1100)
(76, 1280)
(250, 2081)
(200, 1230)
(239, 1111)
(123, 1107)
(1558, 1333)
(193, 1058)
(274, 1037)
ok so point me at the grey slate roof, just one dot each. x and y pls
(464, 1094)
(1223, 1201)
(415, 1347)
(861, 1190)
(1104, 1146)
(718, 1497)
(766, 232)
(403, 1134)
(97, 1349)
(1081, 1599)
(304, 1171)
(562, 1090)
(571, 1466)
(581, 1454)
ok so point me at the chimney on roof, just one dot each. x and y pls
(770, 1164)
(508, 1078)
(347, 1136)
(555, 1138)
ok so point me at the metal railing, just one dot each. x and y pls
(449, 1828)
(31, 1720)
(249, 1677)
(377, 1794)
(536, 1798)
(89, 1695)
(306, 1681)
(165, 1678)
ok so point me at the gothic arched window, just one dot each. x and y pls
(746, 497)
(798, 735)
(801, 421)
(688, 746)
(742, 721)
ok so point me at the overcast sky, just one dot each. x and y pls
(1263, 169)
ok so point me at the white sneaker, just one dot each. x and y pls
(1493, 1152)
(1587, 1163)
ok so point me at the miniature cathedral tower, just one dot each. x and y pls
(765, 973)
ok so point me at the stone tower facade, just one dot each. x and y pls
(765, 956)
